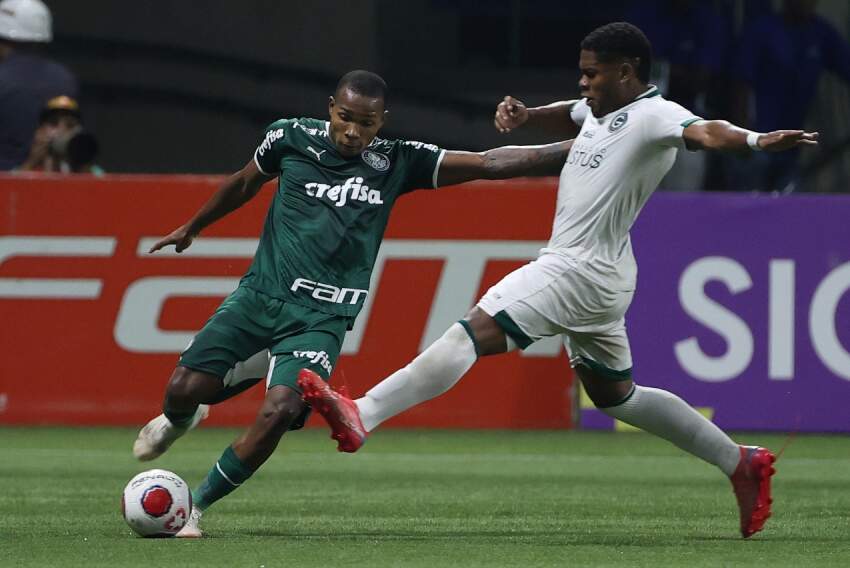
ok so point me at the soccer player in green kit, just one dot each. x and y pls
(310, 274)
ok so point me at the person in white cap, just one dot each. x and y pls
(27, 78)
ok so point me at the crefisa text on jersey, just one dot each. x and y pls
(314, 357)
(272, 136)
(351, 189)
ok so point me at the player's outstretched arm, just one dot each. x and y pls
(553, 118)
(725, 136)
(502, 163)
(237, 190)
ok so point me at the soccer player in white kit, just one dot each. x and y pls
(582, 283)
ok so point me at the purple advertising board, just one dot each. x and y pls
(743, 309)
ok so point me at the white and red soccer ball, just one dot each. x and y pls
(156, 503)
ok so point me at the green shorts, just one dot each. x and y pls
(249, 321)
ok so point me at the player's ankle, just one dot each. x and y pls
(180, 418)
(367, 409)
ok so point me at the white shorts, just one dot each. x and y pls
(550, 296)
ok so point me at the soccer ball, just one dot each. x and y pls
(156, 503)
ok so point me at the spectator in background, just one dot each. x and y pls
(690, 42)
(778, 64)
(27, 79)
(60, 143)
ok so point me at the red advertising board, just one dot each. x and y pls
(92, 324)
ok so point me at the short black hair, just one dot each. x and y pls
(364, 83)
(620, 40)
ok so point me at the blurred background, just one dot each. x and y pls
(745, 272)
(119, 118)
(177, 87)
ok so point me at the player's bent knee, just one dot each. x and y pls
(610, 398)
(279, 416)
(191, 386)
(281, 408)
(488, 336)
(602, 391)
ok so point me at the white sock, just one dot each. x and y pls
(666, 415)
(432, 373)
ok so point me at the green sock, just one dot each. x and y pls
(180, 419)
(227, 474)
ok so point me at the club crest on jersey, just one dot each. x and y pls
(378, 161)
(618, 122)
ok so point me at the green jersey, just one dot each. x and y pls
(328, 216)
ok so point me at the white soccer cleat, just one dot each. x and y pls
(158, 434)
(191, 528)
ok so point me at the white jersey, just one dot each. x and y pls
(615, 164)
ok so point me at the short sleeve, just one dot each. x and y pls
(665, 124)
(579, 111)
(269, 153)
(422, 164)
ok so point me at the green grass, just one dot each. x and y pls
(425, 498)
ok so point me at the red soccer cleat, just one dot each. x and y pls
(751, 483)
(338, 410)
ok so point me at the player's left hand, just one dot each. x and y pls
(181, 238)
(779, 140)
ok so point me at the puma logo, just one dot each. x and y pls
(316, 152)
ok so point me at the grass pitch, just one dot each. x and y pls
(425, 498)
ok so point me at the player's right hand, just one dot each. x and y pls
(181, 238)
(780, 140)
(510, 113)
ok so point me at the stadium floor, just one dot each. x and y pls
(426, 498)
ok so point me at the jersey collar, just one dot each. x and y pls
(652, 91)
